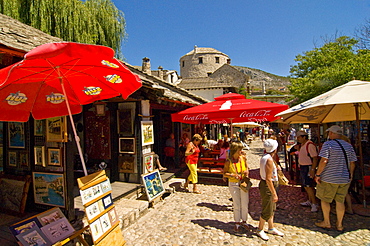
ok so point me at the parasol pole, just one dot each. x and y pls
(77, 138)
(360, 153)
(231, 127)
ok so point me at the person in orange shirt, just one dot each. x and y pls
(192, 156)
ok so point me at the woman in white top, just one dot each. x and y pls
(267, 186)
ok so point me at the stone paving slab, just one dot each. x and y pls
(184, 218)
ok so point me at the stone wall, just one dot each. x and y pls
(191, 68)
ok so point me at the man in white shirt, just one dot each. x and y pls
(308, 160)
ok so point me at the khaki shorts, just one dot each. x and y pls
(268, 206)
(328, 192)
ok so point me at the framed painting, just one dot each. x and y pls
(49, 188)
(16, 135)
(39, 152)
(127, 145)
(54, 157)
(56, 129)
(12, 159)
(39, 128)
(148, 162)
(23, 159)
(125, 122)
(126, 164)
(153, 184)
(107, 201)
(147, 132)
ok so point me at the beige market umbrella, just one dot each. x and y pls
(246, 124)
(348, 102)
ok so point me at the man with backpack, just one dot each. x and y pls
(308, 160)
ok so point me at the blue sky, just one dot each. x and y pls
(262, 34)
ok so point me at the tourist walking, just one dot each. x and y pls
(267, 187)
(192, 155)
(235, 169)
(334, 175)
(307, 160)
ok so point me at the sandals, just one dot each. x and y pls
(322, 225)
(186, 189)
(197, 192)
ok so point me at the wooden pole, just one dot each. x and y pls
(360, 153)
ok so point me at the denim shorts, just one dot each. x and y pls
(305, 178)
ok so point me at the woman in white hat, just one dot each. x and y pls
(267, 186)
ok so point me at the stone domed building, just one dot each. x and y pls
(201, 62)
(207, 72)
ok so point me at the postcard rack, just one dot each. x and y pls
(96, 195)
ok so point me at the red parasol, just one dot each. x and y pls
(55, 79)
(229, 108)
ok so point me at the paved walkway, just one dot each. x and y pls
(206, 219)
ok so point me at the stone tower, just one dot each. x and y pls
(201, 62)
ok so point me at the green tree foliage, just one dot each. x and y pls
(91, 21)
(322, 69)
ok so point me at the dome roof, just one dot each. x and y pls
(205, 50)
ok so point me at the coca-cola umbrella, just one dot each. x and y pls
(55, 79)
(230, 108)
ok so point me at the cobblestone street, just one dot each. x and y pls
(206, 219)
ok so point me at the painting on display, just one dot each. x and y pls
(49, 188)
(39, 128)
(16, 135)
(25, 225)
(54, 157)
(50, 216)
(126, 164)
(58, 230)
(127, 145)
(23, 159)
(39, 153)
(56, 129)
(148, 162)
(12, 159)
(125, 122)
(153, 184)
(147, 132)
(33, 237)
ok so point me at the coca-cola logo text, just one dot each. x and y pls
(196, 117)
(259, 113)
